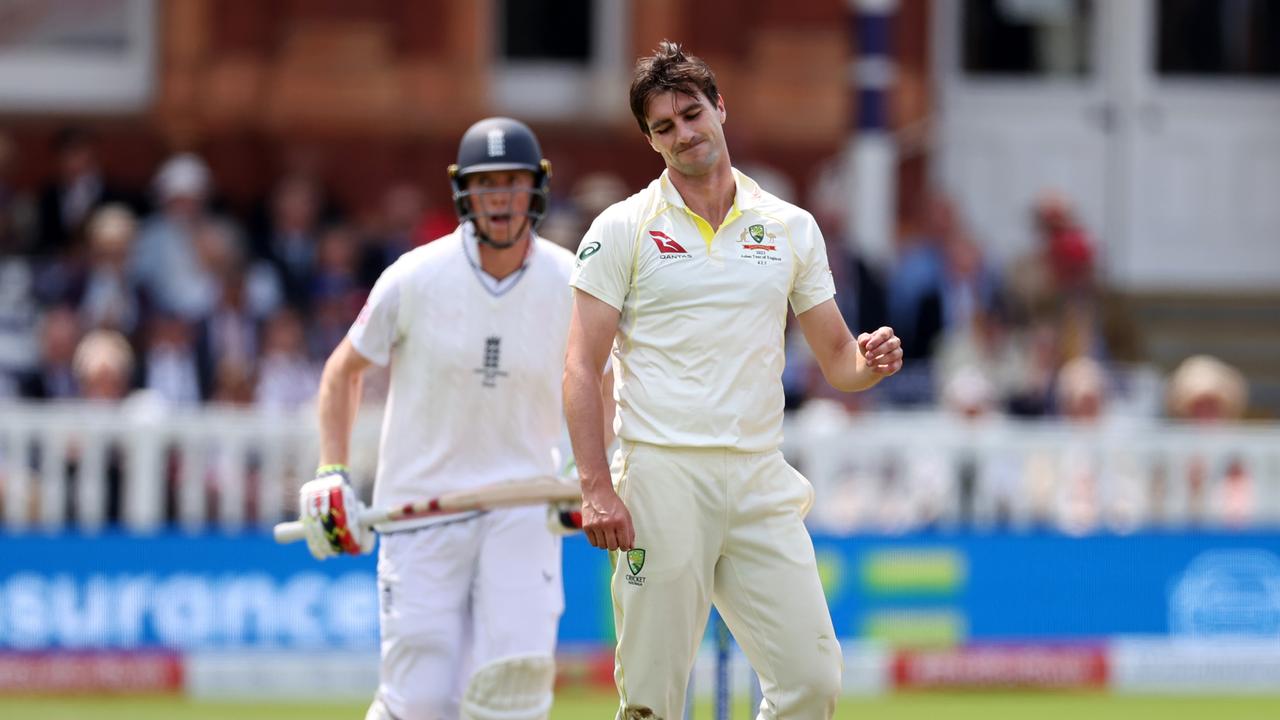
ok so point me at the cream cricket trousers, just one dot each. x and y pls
(724, 527)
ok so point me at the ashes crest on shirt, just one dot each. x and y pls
(756, 243)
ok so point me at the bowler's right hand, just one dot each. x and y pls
(606, 520)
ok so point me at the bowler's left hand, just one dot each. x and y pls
(882, 351)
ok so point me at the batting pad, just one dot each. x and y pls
(511, 688)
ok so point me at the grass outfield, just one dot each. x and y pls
(599, 706)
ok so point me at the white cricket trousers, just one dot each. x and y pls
(455, 596)
(724, 527)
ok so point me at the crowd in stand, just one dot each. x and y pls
(108, 291)
(158, 289)
(197, 306)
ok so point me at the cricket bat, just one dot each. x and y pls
(535, 491)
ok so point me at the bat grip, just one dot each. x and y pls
(287, 532)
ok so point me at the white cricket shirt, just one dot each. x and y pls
(699, 353)
(476, 367)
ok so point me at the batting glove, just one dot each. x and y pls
(330, 512)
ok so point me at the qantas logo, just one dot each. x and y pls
(665, 244)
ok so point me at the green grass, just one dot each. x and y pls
(578, 705)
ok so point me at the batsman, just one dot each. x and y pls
(688, 283)
(473, 326)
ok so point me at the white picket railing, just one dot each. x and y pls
(898, 472)
(218, 466)
(229, 467)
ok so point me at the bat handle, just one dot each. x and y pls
(287, 532)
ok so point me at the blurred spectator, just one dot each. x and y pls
(103, 366)
(80, 187)
(104, 370)
(941, 281)
(1056, 281)
(399, 227)
(1207, 391)
(1093, 487)
(1204, 389)
(55, 378)
(969, 286)
(991, 487)
(165, 261)
(335, 295)
(287, 377)
(337, 267)
(941, 295)
(1067, 249)
(860, 290)
(224, 258)
(1081, 390)
(105, 294)
(288, 241)
(170, 367)
(860, 296)
(17, 209)
(229, 331)
(233, 382)
(914, 305)
(19, 344)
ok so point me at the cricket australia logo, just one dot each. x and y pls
(635, 563)
(492, 369)
(758, 244)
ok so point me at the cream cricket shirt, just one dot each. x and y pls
(699, 353)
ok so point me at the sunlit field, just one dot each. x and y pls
(580, 705)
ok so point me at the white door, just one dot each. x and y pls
(1204, 105)
(1160, 119)
(1024, 106)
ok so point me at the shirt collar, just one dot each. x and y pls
(471, 248)
(746, 191)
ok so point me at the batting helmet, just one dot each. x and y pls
(500, 143)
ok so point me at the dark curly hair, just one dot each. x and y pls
(669, 69)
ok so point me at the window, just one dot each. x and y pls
(560, 59)
(85, 55)
(1218, 37)
(1027, 37)
(554, 30)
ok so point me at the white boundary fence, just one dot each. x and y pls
(218, 466)
(229, 468)
(905, 471)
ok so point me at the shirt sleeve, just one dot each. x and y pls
(603, 266)
(377, 328)
(813, 283)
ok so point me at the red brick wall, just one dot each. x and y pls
(380, 89)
